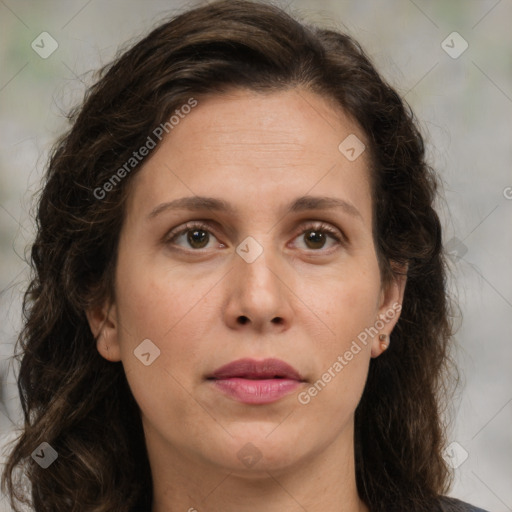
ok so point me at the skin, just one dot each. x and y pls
(259, 152)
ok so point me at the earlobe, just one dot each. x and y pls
(383, 342)
(102, 322)
(390, 306)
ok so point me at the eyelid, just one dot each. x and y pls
(320, 225)
(183, 228)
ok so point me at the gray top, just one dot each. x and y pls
(455, 505)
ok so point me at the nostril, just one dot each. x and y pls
(243, 319)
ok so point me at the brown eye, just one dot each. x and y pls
(316, 236)
(197, 238)
(315, 239)
(192, 236)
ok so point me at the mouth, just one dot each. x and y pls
(256, 382)
(256, 370)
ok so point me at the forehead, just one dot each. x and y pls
(256, 150)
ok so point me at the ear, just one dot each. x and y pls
(390, 306)
(103, 324)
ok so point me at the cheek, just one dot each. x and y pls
(161, 310)
(348, 309)
(346, 301)
(164, 306)
(330, 401)
(155, 296)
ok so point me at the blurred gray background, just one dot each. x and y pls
(462, 97)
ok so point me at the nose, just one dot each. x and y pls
(260, 289)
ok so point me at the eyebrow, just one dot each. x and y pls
(304, 203)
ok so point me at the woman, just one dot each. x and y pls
(239, 298)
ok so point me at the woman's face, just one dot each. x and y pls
(260, 279)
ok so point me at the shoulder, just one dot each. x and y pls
(454, 505)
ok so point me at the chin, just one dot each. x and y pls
(255, 451)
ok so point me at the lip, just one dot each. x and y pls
(256, 382)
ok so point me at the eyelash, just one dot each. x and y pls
(313, 226)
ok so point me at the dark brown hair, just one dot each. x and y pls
(80, 403)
